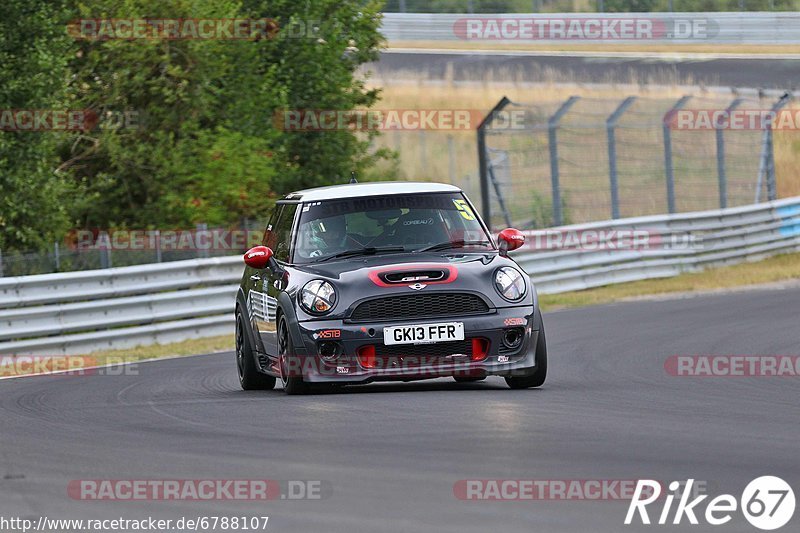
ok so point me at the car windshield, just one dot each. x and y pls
(388, 224)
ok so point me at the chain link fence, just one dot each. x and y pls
(588, 159)
(118, 248)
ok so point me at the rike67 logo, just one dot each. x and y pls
(767, 502)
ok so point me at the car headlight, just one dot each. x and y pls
(510, 283)
(318, 297)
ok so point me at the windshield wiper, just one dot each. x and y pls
(369, 250)
(451, 244)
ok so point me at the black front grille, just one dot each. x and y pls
(419, 306)
(433, 350)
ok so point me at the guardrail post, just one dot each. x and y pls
(611, 125)
(56, 256)
(668, 168)
(721, 174)
(552, 140)
(201, 228)
(104, 247)
(483, 160)
(766, 168)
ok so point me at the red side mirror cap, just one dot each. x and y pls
(510, 239)
(258, 257)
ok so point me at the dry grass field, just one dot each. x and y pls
(451, 155)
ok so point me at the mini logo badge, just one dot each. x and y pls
(417, 286)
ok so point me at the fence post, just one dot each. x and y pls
(668, 168)
(721, 174)
(451, 159)
(56, 256)
(552, 140)
(1, 264)
(483, 163)
(423, 152)
(611, 125)
(499, 193)
(766, 168)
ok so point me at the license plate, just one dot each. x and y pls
(424, 333)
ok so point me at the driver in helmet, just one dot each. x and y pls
(331, 237)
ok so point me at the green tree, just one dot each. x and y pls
(183, 160)
(312, 65)
(33, 56)
(206, 147)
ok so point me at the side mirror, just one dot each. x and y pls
(258, 257)
(510, 239)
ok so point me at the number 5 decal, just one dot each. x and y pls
(464, 209)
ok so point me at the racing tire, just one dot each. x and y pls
(292, 385)
(539, 376)
(250, 378)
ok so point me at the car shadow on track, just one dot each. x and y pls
(408, 387)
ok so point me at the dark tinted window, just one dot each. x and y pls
(270, 237)
(410, 222)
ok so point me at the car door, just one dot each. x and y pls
(279, 239)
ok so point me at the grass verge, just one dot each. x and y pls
(42, 364)
(780, 268)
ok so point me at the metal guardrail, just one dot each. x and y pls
(81, 312)
(720, 237)
(717, 28)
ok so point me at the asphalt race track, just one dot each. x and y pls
(391, 453)
(783, 74)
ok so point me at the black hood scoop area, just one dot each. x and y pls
(406, 276)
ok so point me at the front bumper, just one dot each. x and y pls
(350, 366)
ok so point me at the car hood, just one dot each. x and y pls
(362, 277)
(351, 267)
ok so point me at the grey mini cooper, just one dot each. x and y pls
(385, 282)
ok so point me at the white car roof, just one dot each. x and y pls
(377, 188)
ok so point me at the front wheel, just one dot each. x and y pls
(291, 384)
(249, 376)
(538, 378)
